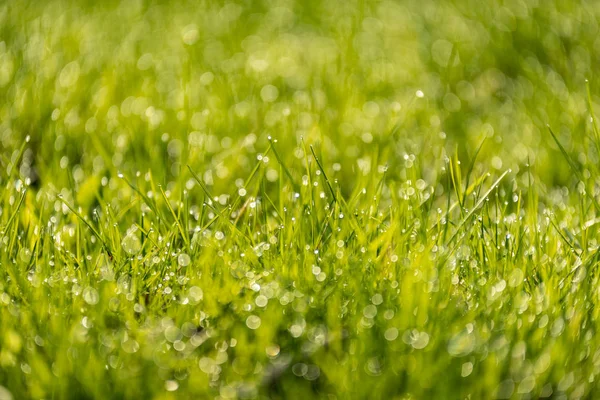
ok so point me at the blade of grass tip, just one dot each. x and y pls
(455, 178)
(306, 162)
(324, 174)
(94, 231)
(295, 186)
(588, 262)
(127, 208)
(573, 166)
(206, 193)
(471, 167)
(560, 234)
(10, 268)
(238, 198)
(451, 61)
(458, 173)
(573, 240)
(448, 209)
(263, 205)
(185, 217)
(150, 203)
(564, 153)
(219, 214)
(532, 205)
(361, 237)
(147, 235)
(324, 229)
(199, 181)
(113, 229)
(184, 235)
(478, 204)
(16, 229)
(279, 216)
(13, 215)
(311, 193)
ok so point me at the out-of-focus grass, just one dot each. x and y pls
(299, 199)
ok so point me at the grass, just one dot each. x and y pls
(279, 199)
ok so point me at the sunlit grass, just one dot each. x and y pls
(299, 200)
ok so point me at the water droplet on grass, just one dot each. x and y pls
(377, 299)
(183, 260)
(261, 301)
(130, 346)
(420, 340)
(131, 243)
(25, 255)
(171, 386)
(312, 373)
(90, 295)
(196, 294)
(370, 311)
(466, 370)
(253, 322)
(300, 369)
(273, 350)
(391, 334)
(173, 333)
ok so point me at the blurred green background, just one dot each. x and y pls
(205, 83)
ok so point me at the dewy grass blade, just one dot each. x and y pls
(89, 225)
(324, 174)
(477, 205)
(573, 167)
(184, 234)
(295, 186)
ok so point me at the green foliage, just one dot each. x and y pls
(310, 199)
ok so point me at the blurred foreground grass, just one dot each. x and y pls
(337, 199)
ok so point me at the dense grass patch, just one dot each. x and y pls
(278, 199)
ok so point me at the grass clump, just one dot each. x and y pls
(298, 200)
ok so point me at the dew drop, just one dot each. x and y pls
(130, 346)
(420, 341)
(171, 386)
(131, 243)
(90, 295)
(391, 334)
(466, 369)
(261, 301)
(370, 311)
(253, 322)
(183, 260)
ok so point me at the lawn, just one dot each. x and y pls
(279, 199)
